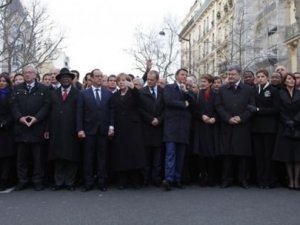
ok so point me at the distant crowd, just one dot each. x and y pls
(240, 128)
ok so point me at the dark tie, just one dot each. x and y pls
(153, 93)
(65, 94)
(29, 88)
(98, 101)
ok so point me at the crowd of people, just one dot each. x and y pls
(241, 128)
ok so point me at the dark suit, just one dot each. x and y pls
(264, 130)
(29, 139)
(64, 144)
(7, 151)
(152, 107)
(176, 130)
(235, 139)
(94, 121)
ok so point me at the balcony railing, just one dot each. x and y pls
(292, 31)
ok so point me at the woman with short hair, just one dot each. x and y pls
(287, 148)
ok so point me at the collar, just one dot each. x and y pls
(266, 85)
(94, 88)
(31, 84)
(58, 85)
(154, 88)
(68, 88)
(238, 83)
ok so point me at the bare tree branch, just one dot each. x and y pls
(29, 36)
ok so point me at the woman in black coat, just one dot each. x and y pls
(206, 130)
(264, 128)
(6, 132)
(287, 147)
(128, 154)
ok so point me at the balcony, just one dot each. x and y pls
(292, 32)
(186, 27)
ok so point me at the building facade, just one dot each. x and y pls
(252, 34)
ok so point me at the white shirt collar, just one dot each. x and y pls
(259, 87)
(94, 88)
(68, 89)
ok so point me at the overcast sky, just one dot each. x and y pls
(98, 31)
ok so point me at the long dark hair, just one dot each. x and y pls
(3, 75)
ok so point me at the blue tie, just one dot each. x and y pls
(153, 93)
(98, 101)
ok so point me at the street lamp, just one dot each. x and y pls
(162, 32)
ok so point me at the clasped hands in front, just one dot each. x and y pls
(235, 120)
(208, 120)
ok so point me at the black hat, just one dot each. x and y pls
(65, 72)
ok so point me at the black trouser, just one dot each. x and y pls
(153, 164)
(95, 147)
(27, 153)
(263, 150)
(5, 168)
(207, 170)
(228, 163)
(129, 177)
(65, 172)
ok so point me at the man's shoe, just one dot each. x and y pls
(179, 185)
(244, 184)
(166, 185)
(56, 187)
(87, 188)
(38, 187)
(20, 187)
(225, 184)
(70, 187)
(102, 188)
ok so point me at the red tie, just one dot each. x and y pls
(65, 94)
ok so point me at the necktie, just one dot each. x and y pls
(153, 93)
(29, 88)
(65, 94)
(98, 101)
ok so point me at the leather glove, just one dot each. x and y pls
(252, 108)
(290, 124)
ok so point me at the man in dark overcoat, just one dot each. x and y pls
(235, 139)
(30, 102)
(176, 133)
(152, 111)
(63, 143)
(94, 125)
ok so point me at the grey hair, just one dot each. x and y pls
(140, 80)
(30, 66)
(236, 68)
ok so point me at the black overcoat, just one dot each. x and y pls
(266, 119)
(150, 108)
(177, 115)
(287, 149)
(206, 135)
(35, 103)
(235, 139)
(63, 143)
(6, 127)
(128, 151)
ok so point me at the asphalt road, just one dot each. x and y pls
(193, 205)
